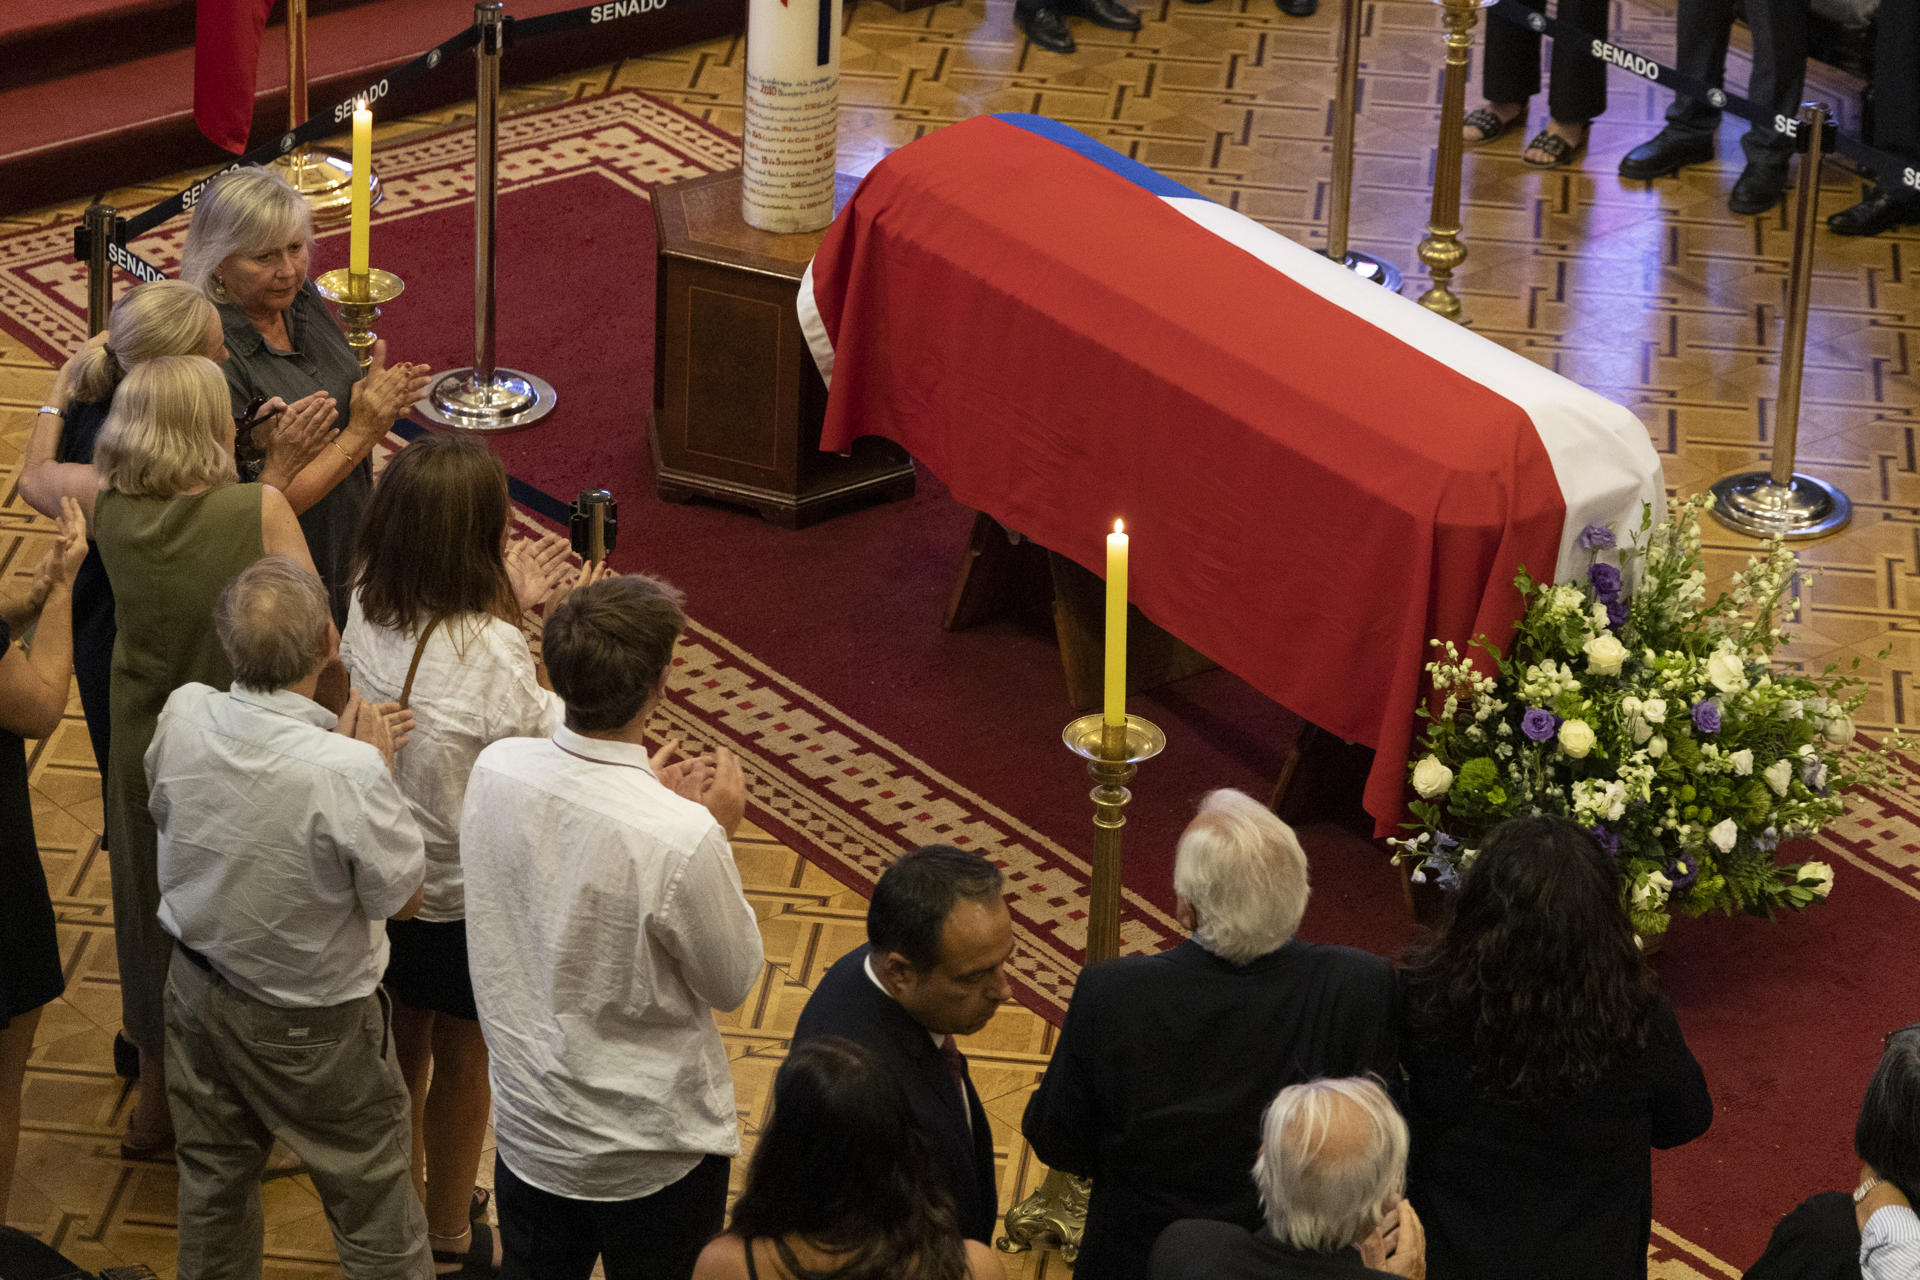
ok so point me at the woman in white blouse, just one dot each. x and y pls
(436, 623)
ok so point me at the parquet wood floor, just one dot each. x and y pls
(1652, 294)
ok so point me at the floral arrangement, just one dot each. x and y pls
(1654, 718)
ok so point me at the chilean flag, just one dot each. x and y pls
(226, 67)
(1318, 475)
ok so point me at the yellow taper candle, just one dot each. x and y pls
(1116, 712)
(362, 190)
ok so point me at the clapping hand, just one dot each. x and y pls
(399, 723)
(687, 778)
(63, 562)
(712, 780)
(368, 722)
(536, 568)
(295, 437)
(384, 393)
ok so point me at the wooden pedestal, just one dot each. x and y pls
(737, 402)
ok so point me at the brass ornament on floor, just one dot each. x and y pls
(322, 176)
(1781, 502)
(1441, 250)
(1340, 201)
(1055, 1215)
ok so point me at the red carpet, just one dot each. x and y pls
(873, 729)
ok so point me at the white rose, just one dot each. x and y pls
(1742, 761)
(1576, 738)
(1604, 655)
(1431, 778)
(1652, 892)
(1657, 748)
(1791, 708)
(1839, 730)
(1654, 710)
(1816, 876)
(1723, 835)
(1778, 775)
(1727, 672)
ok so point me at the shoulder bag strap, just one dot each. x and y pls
(406, 690)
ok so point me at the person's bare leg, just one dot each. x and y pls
(413, 1045)
(456, 1127)
(16, 1042)
(151, 1123)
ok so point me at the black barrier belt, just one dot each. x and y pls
(587, 15)
(1889, 169)
(318, 125)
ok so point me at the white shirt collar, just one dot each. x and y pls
(603, 750)
(287, 703)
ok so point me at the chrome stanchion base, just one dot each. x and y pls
(511, 401)
(1807, 507)
(1378, 270)
(325, 179)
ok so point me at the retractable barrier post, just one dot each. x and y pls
(96, 234)
(1781, 502)
(1346, 101)
(1441, 250)
(484, 397)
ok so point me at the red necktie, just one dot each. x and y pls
(956, 1065)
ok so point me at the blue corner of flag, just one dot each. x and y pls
(1098, 152)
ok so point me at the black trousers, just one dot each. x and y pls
(1896, 90)
(1779, 30)
(657, 1237)
(1578, 87)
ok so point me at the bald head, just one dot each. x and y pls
(1334, 1159)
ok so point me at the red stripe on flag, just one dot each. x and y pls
(1310, 498)
(226, 68)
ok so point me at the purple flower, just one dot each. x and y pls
(1606, 582)
(1683, 872)
(1596, 537)
(1616, 614)
(1609, 842)
(1539, 725)
(1706, 717)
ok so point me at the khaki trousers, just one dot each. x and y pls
(241, 1073)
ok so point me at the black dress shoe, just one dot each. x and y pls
(1878, 212)
(1298, 8)
(1759, 188)
(1110, 14)
(1045, 26)
(1664, 153)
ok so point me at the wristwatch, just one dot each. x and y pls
(1860, 1192)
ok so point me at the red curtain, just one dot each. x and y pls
(226, 66)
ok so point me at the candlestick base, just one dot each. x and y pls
(507, 401)
(1378, 270)
(1053, 1217)
(360, 299)
(1807, 507)
(324, 178)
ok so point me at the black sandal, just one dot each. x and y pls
(474, 1262)
(1489, 123)
(477, 1211)
(1554, 145)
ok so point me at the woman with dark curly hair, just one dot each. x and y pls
(842, 1185)
(1542, 1065)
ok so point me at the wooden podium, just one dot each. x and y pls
(737, 401)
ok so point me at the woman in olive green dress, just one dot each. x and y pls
(173, 527)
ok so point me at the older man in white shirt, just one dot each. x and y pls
(284, 847)
(605, 924)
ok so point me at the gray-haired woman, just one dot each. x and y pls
(250, 247)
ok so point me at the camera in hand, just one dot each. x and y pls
(594, 525)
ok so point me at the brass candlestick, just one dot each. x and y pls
(360, 298)
(1441, 250)
(1055, 1215)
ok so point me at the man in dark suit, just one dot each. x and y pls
(1165, 1063)
(934, 967)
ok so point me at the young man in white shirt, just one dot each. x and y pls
(284, 847)
(605, 924)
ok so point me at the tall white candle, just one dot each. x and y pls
(792, 112)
